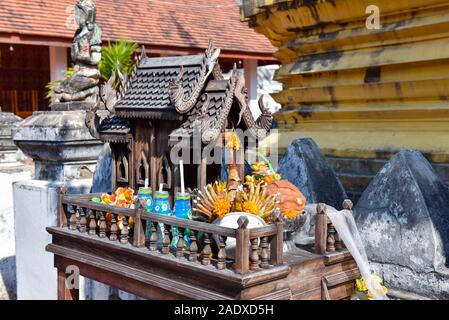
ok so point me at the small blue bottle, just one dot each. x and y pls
(161, 205)
(183, 210)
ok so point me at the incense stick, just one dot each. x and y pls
(181, 168)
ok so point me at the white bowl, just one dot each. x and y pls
(230, 221)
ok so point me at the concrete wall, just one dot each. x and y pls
(7, 241)
(35, 208)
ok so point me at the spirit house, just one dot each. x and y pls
(166, 102)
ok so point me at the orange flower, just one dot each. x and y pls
(232, 141)
(125, 194)
(290, 214)
(107, 198)
(259, 167)
(122, 203)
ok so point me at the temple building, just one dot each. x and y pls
(361, 91)
(35, 40)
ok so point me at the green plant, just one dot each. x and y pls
(51, 86)
(117, 56)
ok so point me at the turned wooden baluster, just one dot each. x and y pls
(330, 238)
(241, 246)
(254, 257)
(63, 213)
(83, 220)
(124, 232)
(139, 231)
(221, 253)
(153, 237)
(338, 242)
(347, 205)
(205, 254)
(92, 224)
(277, 241)
(264, 253)
(102, 226)
(180, 243)
(165, 240)
(114, 229)
(73, 220)
(321, 229)
(193, 248)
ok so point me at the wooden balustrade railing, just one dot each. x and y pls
(326, 237)
(255, 249)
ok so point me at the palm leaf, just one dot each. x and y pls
(117, 56)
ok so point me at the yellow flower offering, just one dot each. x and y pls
(290, 214)
(360, 286)
(232, 141)
(251, 207)
(221, 208)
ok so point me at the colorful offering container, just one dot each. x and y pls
(183, 210)
(161, 205)
(146, 194)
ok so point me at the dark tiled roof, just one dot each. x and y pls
(149, 87)
(114, 125)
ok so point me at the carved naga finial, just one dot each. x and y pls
(265, 120)
(184, 103)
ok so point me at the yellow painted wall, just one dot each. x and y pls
(360, 92)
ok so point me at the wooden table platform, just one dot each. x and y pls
(153, 275)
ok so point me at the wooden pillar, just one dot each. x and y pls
(58, 62)
(64, 293)
(242, 246)
(321, 229)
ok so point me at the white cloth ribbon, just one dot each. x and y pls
(346, 227)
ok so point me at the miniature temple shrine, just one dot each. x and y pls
(165, 101)
(198, 236)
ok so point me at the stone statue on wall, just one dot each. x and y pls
(86, 55)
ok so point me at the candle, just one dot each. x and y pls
(161, 187)
(181, 168)
(146, 182)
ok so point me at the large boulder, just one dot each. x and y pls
(306, 167)
(102, 178)
(403, 217)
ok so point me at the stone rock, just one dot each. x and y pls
(306, 167)
(102, 179)
(59, 143)
(403, 218)
(8, 150)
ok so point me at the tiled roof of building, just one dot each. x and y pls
(174, 23)
(114, 125)
(149, 87)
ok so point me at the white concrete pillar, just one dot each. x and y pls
(250, 68)
(35, 208)
(58, 62)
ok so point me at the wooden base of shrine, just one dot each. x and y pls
(152, 275)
